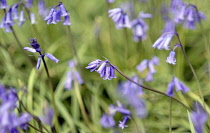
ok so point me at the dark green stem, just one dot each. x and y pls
(170, 116)
(52, 93)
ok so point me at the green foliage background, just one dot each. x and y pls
(95, 36)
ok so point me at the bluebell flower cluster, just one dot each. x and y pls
(184, 13)
(12, 14)
(199, 117)
(131, 93)
(72, 76)
(36, 49)
(9, 120)
(120, 18)
(56, 13)
(150, 65)
(179, 87)
(107, 120)
(104, 68)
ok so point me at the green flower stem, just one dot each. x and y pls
(52, 94)
(191, 67)
(170, 116)
(74, 48)
(82, 107)
(150, 89)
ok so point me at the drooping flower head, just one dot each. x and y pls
(107, 121)
(56, 13)
(47, 116)
(171, 58)
(179, 87)
(104, 68)
(72, 76)
(120, 18)
(150, 65)
(198, 117)
(163, 41)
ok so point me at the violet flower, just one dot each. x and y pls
(55, 15)
(171, 58)
(105, 68)
(3, 4)
(123, 123)
(139, 28)
(36, 49)
(120, 18)
(198, 117)
(72, 76)
(179, 87)
(47, 116)
(107, 121)
(149, 64)
(163, 41)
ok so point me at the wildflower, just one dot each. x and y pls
(198, 117)
(150, 65)
(3, 4)
(41, 8)
(72, 75)
(9, 121)
(120, 18)
(107, 121)
(36, 48)
(171, 58)
(179, 87)
(169, 26)
(21, 19)
(163, 41)
(105, 69)
(29, 3)
(47, 116)
(32, 18)
(110, 1)
(55, 15)
(123, 123)
(139, 29)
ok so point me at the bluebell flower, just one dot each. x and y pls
(139, 28)
(55, 15)
(9, 121)
(163, 41)
(169, 26)
(171, 58)
(149, 64)
(145, 15)
(3, 4)
(36, 48)
(105, 69)
(15, 11)
(72, 76)
(29, 3)
(21, 18)
(110, 1)
(107, 121)
(120, 18)
(123, 123)
(179, 87)
(32, 18)
(42, 9)
(198, 117)
(47, 116)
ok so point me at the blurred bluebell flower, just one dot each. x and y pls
(3, 4)
(72, 75)
(179, 87)
(139, 28)
(163, 41)
(47, 116)
(149, 64)
(145, 15)
(9, 121)
(107, 121)
(105, 69)
(15, 11)
(55, 15)
(42, 9)
(110, 1)
(21, 18)
(198, 117)
(32, 18)
(171, 58)
(120, 18)
(123, 123)
(169, 26)
(29, 3)
(36, 48)
(131, 93)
